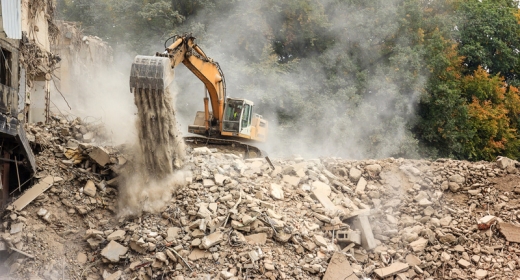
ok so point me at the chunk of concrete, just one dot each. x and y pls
(34, 192)
(373, 170)
(291, 180)
(339, 268)
(391, 270)
(504, 162)
(113, 251)
(172, 233)
(321, 194)
(419, 245)
(367, 236)
(211, 240)
(81, 258)
(100, 156)
(277, 191)
(90, 189)
(257, 239)
(321, 187)
(354, 174)
(16, 228)
(481, 273)
(320, 241)
(115, 276)
(117, 235)
(361, 185)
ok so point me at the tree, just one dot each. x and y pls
(489, 37)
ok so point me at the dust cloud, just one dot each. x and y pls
(342, 122)
(144, 126)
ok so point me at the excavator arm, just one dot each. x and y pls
(157, 72)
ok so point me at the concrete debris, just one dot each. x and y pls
(339, 268)
(100, 155)
(34, 192)
(326, 218)
(391, 270)
(510, 232)
(113, 251)
(90, 189)
(486, 222)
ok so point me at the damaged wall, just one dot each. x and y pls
(26, 65)
(82, 58)
(40, 32)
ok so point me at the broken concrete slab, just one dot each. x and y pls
(510, 232)
(117, 235)
(419, 245)
(211, 240)
(361, 185)
(367, 237)
(323, 188)
(114, 276)
(291, 180)
(321, 195)
(391, 270)
(172, 233)
(339, 268)
(276, 191)
(113, 251)
(90, 189)
(34, 192)
(257, 239)
(198, 254)
(16, 228)
(100, 155)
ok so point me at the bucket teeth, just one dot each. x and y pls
(150, 72)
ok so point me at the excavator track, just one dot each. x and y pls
(247, 150)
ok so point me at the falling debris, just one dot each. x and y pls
(160, 141)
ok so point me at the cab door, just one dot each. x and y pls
(245, 123)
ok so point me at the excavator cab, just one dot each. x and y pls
(239, 120)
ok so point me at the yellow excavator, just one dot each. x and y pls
(231, 121)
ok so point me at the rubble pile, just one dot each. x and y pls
(238, 218)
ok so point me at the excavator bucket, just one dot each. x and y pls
(160, 143)
(150, 72)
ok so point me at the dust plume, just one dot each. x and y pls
(347, 101)
(154, 173)
(97, 91)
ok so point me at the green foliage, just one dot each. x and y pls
(490, 37)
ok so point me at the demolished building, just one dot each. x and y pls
(43, 62)
(26, 65)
